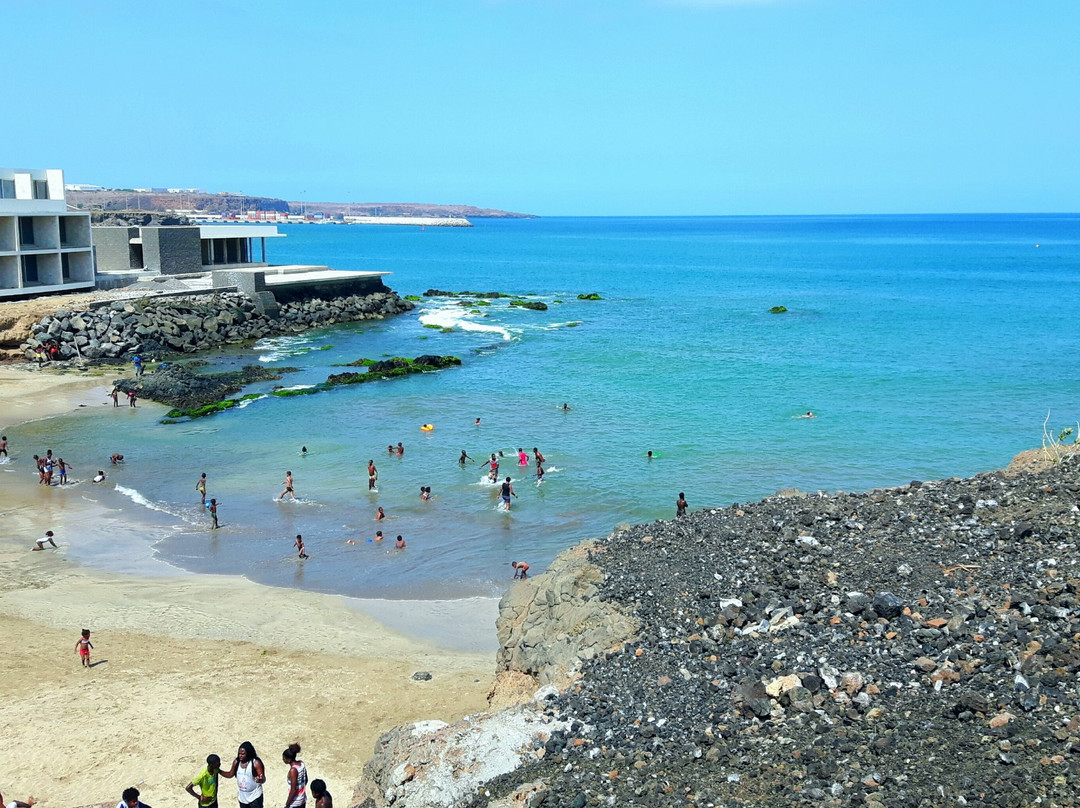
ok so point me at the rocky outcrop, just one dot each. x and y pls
(912, 646)
(435, 765)
(548, 624)
(177, 386)
(186, 324)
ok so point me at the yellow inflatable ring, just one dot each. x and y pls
(427, 428)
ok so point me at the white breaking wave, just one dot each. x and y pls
(454, 317)
(247, 401)
(139, 499)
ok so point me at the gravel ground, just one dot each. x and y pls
(916, 646)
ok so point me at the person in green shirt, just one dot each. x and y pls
(207, 781)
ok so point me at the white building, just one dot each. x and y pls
(44, 249)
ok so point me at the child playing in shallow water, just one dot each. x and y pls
(299, 545)
(521, 569)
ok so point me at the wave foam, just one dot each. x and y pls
(455, 318)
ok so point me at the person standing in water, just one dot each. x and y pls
(200, 486)
(288, 483)
(3, 445)
(299, 545)
(372, 475)
(213, 514)
(507, 492)
(464, 457)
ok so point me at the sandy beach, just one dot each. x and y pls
(187, 664)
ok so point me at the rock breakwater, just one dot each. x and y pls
(186, 324)
(915, 646)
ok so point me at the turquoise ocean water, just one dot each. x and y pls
(928, 346)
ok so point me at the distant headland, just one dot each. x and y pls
(193, 202)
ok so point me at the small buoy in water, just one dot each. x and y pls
(427, 428)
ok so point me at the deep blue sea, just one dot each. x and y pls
(926, 346)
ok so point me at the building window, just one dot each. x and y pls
(26, 231)
(62, 221)
(29, 270)
(65, 267)
(41, 189)
(7, 189)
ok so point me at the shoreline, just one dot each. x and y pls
(181, 658)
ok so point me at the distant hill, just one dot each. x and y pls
(120, 199)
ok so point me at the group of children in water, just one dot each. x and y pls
(506, 492)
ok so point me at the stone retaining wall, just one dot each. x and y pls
(194, 323)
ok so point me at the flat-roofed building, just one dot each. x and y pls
(179, 249)
(44, 248)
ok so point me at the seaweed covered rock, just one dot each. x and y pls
(179, 387)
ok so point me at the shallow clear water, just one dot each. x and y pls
(926, 346)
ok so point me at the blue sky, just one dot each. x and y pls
(583, 107)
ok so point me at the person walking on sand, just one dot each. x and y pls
(48, 537)
(130, 799)
(82, 648)
(321, 795)
(372, 475)
(207, 781)
(521, 569)
(297, 777)
(213, 514)
(299, 545)
(250, 775)
(200, 486)
(288, 483)
(506, 492)
(680, 505)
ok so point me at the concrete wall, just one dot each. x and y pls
(172, 250)
(112, 247)
(328, 289)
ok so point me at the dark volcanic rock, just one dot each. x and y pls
(177, 386)
(915, 646)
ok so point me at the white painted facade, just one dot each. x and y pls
(44, 249)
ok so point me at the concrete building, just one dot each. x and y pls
(44, 249)
(180, 250)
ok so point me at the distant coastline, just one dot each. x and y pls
(188, 201)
